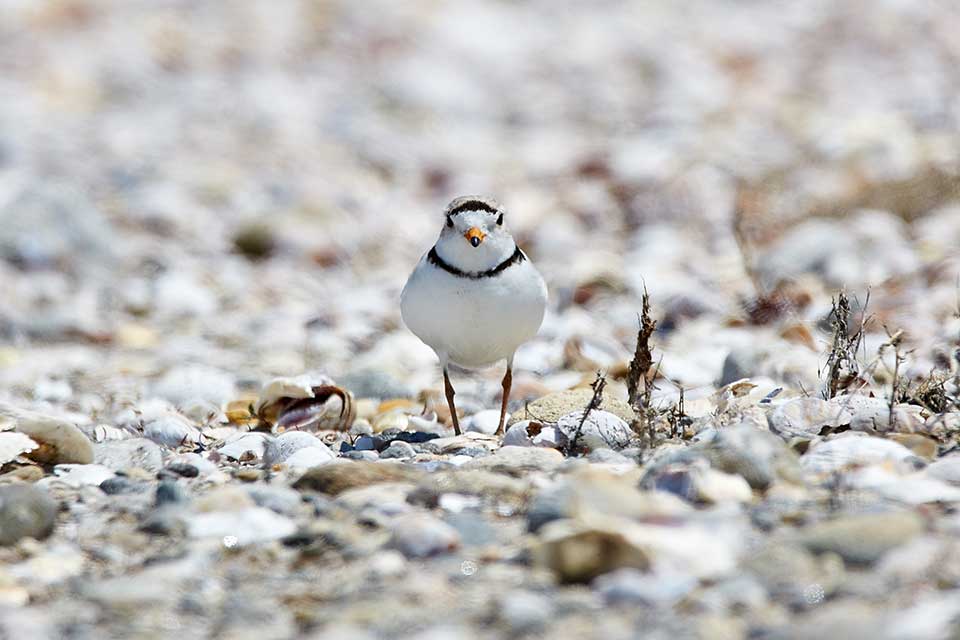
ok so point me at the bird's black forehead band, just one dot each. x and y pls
(472, 205)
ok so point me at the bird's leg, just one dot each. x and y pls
(448, 389)
(507, 383)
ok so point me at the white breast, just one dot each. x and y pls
(474, 323)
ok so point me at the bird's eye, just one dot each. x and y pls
(500, 219)
(449, 222)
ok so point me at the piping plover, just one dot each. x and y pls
(475, 296)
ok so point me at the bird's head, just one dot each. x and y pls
(474, 235)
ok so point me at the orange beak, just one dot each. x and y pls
(474, 236)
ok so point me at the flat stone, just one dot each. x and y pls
(518, 460)
(549, 409)
(849, 450)
(239, 528)
(806, 417)
(333, 479)
(862, 539)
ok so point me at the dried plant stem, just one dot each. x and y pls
(638, 394)
(842, 365)
(597, 398)
(894, 340)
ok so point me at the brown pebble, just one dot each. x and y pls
(923, 446)
(248, 475)
(27, 473)
(337, 478)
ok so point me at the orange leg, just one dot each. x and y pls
(448, 389)
(507, 383)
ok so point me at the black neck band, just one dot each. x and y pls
(434, 258)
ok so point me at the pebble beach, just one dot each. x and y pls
(214, 424)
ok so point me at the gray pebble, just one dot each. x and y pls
(136, 453)
(25, 512)
(169, 492)
(525, 611)
(361, 455)
(398, 449)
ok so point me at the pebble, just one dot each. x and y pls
(171, 430)
(525, 611)
(792, 574)
(386, 499)
(549, 409)
(758, 456)
(700, 484)
(946, 468)
(601, 430)
(518, 460)
(13, 445)
(609, 456)
(252, 525)
(183, 469)
(79, 475)
(61, 441)
(849, 450)
(28, 474)
(908, 488)
(282, 500)
(484, 422)
(279, 450)
(872, 415)
(398, 449)
(419, 535)
(578, 553)
(120, 455)
(369, 443)
(25, 512)
(370, 456)
(594, 493)
(516, 435)
(807, 417)
(862, 539)
(310, 457)
(333, 479)
(634, 587)
(121, 484)
(248, 447)
(169, 492)
(922, 446)
(167, 520)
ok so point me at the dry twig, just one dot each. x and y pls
(842, 365)
(597, 386)
(642, 359)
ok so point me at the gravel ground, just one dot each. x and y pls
(213, 423)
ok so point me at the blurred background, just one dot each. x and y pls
(230, 190)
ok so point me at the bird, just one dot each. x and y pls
(474, 297)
